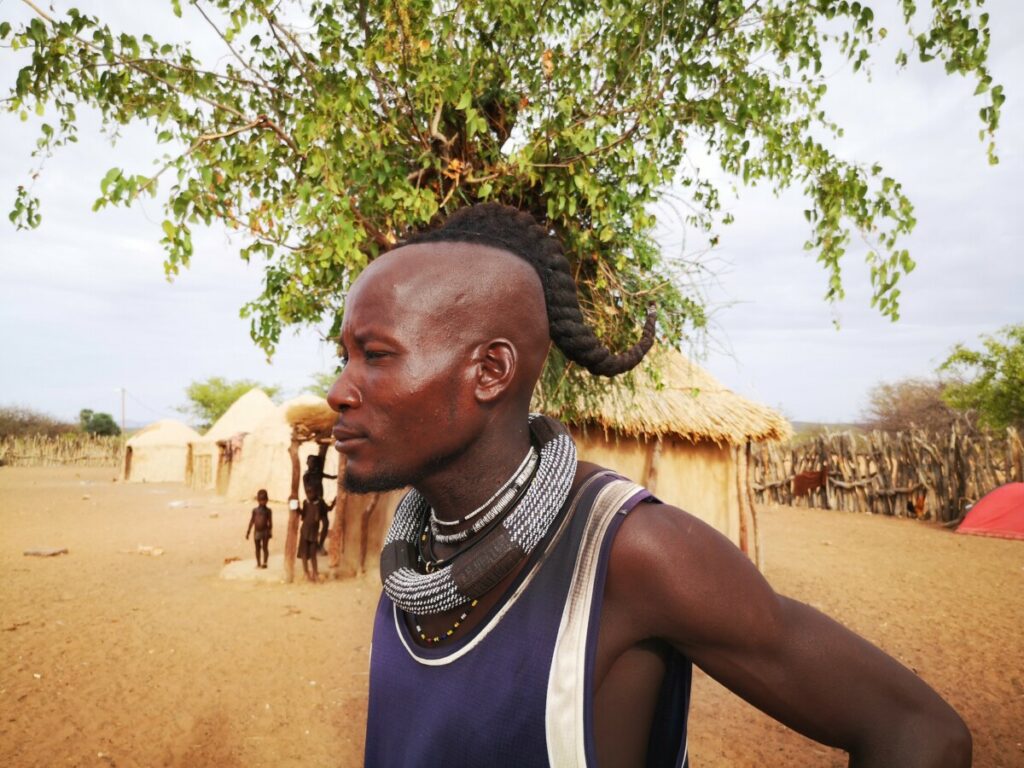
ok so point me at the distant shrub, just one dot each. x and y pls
(17, 421)
(911, 403)
(94, 423)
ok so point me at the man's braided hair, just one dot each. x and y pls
(500, 226)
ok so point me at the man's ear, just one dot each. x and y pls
(496, 363)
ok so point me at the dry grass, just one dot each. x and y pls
(687, 402)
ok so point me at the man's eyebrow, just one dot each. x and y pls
(366, 335)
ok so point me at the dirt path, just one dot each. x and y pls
(116, 658)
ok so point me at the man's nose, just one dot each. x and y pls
(344, 393)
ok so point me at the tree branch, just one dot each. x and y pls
(232, 49)
(277, 30)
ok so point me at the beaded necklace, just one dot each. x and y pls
(444, 635)
(425, 549)
(503, 500)
(496, 552)
(521, 471)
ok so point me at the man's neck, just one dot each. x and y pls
(475, 476)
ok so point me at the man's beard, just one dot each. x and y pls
(375, 483)
(390, 479)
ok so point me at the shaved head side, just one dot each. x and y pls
(506, 229)
(470, 295)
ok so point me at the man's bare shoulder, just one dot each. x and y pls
(684, 581)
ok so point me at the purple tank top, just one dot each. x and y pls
(517, 690)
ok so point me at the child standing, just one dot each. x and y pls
(313, 509)
(314, 475)
(261, 524)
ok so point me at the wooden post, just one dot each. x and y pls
(739, 459)
(754, 535)
(336, 537)
(292, 537)
(651, 470)
(364, 530)
(1016, 455)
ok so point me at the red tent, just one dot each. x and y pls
(999, 513)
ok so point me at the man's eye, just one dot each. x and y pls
(374, 354)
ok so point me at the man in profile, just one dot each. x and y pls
(539, 610)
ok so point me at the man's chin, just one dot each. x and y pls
(372, 483)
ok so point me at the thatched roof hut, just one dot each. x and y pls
(684, 436)
(210, 457)
(265, 461)
(682, 401)
(156, 453)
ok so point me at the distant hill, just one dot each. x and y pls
(807, 430)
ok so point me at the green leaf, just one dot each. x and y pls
(111, 176)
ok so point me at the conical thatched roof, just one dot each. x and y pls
(163, 432)
(244, 415)
(688, 403)
(311, 412)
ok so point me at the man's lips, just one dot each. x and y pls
(345, 437)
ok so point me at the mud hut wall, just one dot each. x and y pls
(697, 477)
(357, 525)
(203, 465)
(158, 464)
(701, 478)
(212, 464)
(263, 462)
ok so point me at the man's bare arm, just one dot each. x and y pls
(706, 598)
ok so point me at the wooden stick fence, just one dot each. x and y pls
(907, 473)
(78, 449)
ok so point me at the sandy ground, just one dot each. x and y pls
(111, 657)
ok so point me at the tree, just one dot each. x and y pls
(909, 403)
(322, 382)
(94, 423)
(989, 381)
(16, 421)
(329, 130)
(209, 399)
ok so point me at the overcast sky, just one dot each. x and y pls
(85, 308)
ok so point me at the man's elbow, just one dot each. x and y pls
(933, 736)
(958, 744)
(942, 739)
(923, 740)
